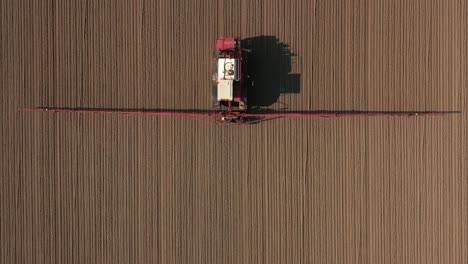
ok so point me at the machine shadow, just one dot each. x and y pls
(267, 70)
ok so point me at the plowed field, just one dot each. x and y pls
(136, 189)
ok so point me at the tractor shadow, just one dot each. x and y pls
(267, 70)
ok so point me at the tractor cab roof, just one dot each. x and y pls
(228, 69)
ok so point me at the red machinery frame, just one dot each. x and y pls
(230, 47)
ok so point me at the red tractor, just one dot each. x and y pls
(228, 89)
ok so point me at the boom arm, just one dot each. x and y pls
(161, 112)
(235, 117)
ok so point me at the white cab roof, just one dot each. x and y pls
(225, 88)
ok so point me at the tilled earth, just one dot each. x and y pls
(137, 189)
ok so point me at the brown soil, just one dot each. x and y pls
(135, 189)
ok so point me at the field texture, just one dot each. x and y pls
(133, 189)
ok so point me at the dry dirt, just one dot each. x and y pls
(134, 189)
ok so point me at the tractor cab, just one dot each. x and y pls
(228, 73)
